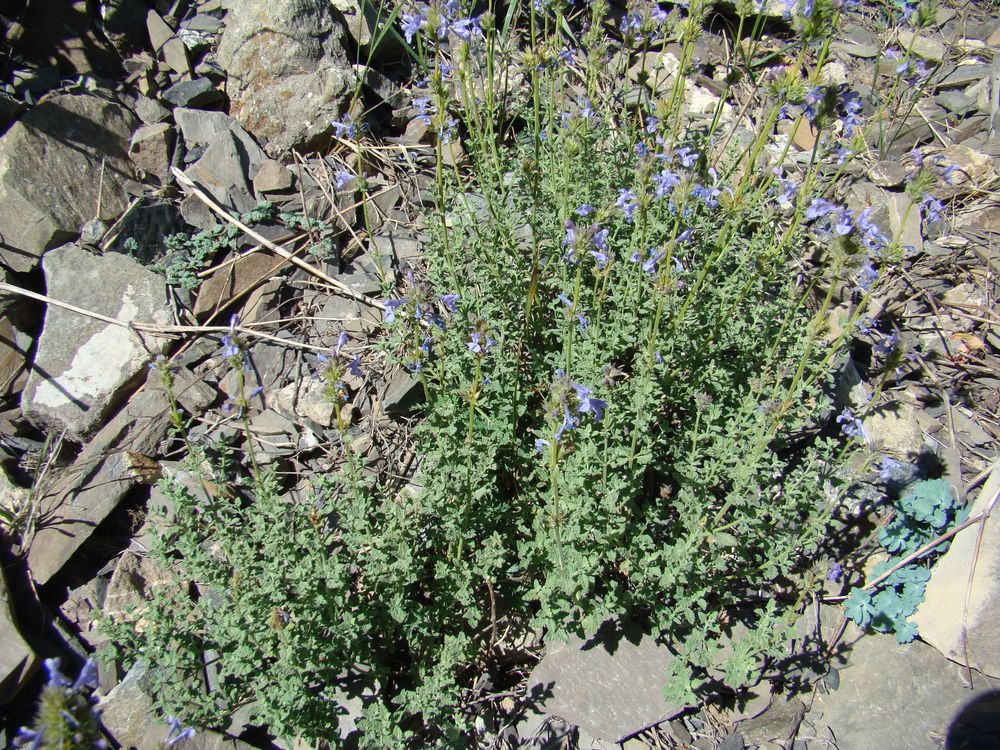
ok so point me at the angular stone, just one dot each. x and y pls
(973, 170)
(939, 619)
(288, 71)
(197, 93)
(201, 127)
(17, 659)
(222, 173)
(151, 148)
(91, 487)
(904, 221)
(895, 429)
(887, 173)
(922, 45)
(272, 177)
(83, 365)
(51, 165)
(610, 685)
(128, 713)
(778, 724)
(204, 23)
(233, 281)
(150, 111)
(963, 75)
(890, 695)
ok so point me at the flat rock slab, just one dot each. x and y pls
(51, 166)
(83, 364)
(88, 490)
(904, 697)
(287, 70)
(128, 713)
(940, 618)
(17, 659)
(610, 685)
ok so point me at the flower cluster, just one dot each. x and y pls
(441, 19)
(336, 367)
(569, 397)
(66, 711)
(424, 312)
(592, 239)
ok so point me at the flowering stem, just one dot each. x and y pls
(554, 490)
(473, 397)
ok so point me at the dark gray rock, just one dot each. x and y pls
(610, 685)
(17, 659)
(150, 111)
(890, 695)
(83, 365)
(151, 148)
(51, 165)
(199, 92)
(223, 172)
(288, 71)
(778, 724)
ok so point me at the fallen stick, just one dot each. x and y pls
(186, 181)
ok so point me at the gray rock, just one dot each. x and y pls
(151, 148)
(17, 659)
(904, 221)
(83, 365)
(778, 724)
(129, 715)
(199, 92)
(887, 173)
(895, 429)
(939, 619)
(288, 71)
(90, 488)
(922, 45)
(51, 171)
(143, 229)
(610, 685)
(223, 171)
(272, 177)
(203, 23)
(963, 75)
(890, 695)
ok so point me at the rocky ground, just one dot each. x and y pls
(123, 125)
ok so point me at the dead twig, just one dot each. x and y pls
(184, 180)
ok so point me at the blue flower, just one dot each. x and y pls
(933, 208)
(889, 469)
(841, 222)
(886, 345)
(649, 266)
(354, 367)
(835, 573)
(584, 209)
(412, 23)
(626, 202)
(479, 343)
(177, 734)
(600, 239)
(665, 182)
(391, 305)
(464, 28)
(450, 302)
(587, 404)
(867, 276)
(850, 425)
(341, 177)
(688, 156)
(344, 128)
(818, 208)
(710, 196)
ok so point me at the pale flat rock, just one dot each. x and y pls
(129, 715)
(895, 429)
(288, 71)
(610, 685)
(904, 221)
(903, 697)
(922, 45)
(939, 619)
(84, 365)
(973, 171)
(91, 487)
(51, 164)
(17, 659)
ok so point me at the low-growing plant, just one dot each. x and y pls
(921, 516)
(622, 337)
